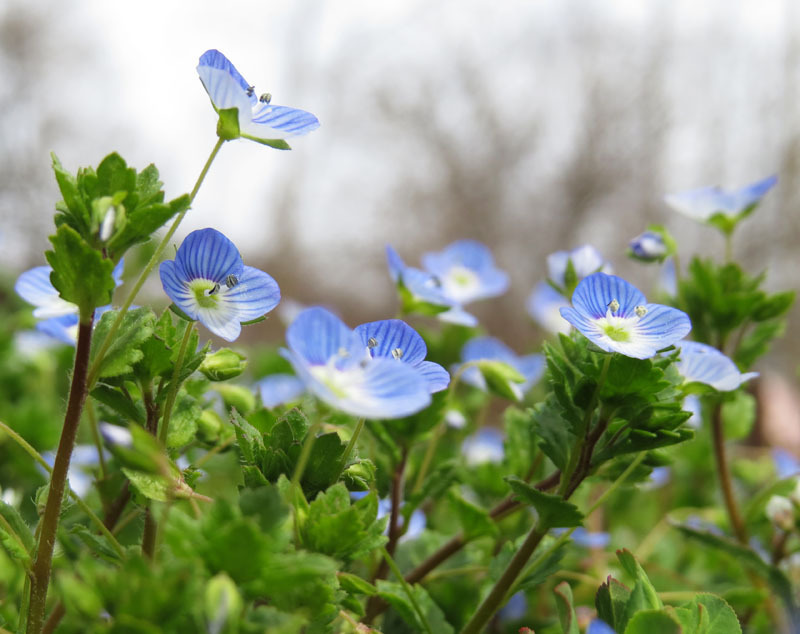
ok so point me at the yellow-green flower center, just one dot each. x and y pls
(616, 333)
(206, 292)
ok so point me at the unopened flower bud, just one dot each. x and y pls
(237, 396)
(780, 512)
(648, 246)
(223, 364)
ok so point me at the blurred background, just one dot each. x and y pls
(531, 126)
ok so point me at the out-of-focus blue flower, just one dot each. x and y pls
(585, 261)
(416, 523)
(486, 445)
(455, 418)
(599, 627)
(83, 457)
(692, 404)
(649, 246)
(586, 539)
(277, 389)
(209, 282)
(669, 277)
(786, 463)
(530, 366)
(544, 305)
(259, 120)
(115, 435)
(659, 477)
(702, 363)
(461, 273)
(615, 316)
(335, 365)
(515, 609)
(704, 203)
(395, 339)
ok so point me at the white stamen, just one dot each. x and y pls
(372, 342)
(613, 305)
(640, 311)
(397, 353)
(231, 281)
(265, 98)
(213, 290)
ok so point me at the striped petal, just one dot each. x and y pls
(209, 255)
(177, 288)
(467, 271)
(317, 336)
(63, 328)
(390, 336)
(436, 376)
(597, 291)
(705, 364)
(277, 122)
(585, 260)
(254, 294)
(224, 84)
(34, 287)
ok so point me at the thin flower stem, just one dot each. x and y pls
(724, 475)
(154, 259)
(214, 451)
(76, 498)
(305, 454)
(55, 497)
(351, 445)
(173, 384)
(92, 415)
(407, 589)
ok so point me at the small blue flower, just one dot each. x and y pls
(704, 203)
(599, 627)
(615, 316)
(395, 339)
(416, 523)
(544, 305)
(277, 389)
(515, 609)
(586, 539)
(530, 366)
(585, 261)
(486, 445)
(668, 279)
(649, 246)
(701, 363)
(786, 463)
(65, 328)
(209, 282)
(335, 364)
(259, 120)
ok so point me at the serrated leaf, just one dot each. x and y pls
(125, 348)
(249, 439)
(653, 622)
(610, 602)
(355, 585)
(150, 485)
(721, 619)
(97, 544)
(74, 211)
(80, 273)
(553, 510)
(119, 402)
(183, 422)
(475, 521)
(15, 536)
(394, 594)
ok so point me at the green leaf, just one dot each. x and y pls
(125, 349)
(78, 596)
(15, 536)
(183, 422)
(720, 616)
(553, 510)
(739, 415)
(474, 520)
(610, 601)
(501, 378)
(150, 485)
(355, 584)
(73, 212)
(223, 605)
(773, 306)
(119, 402)
(249, 439)
(653, 622)
(553, 432)
(394, 594)
(80, 273)
(566, 611)
(278, 144)
(97, 544)
(635, 570)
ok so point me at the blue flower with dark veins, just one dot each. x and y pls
(701, 363)
(615, 316)
(259, 120)
(704, 203)
(209, 282)
(336, 365)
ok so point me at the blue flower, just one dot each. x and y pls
(463, 272)
(259, 120)
(701, 363)
(209, 282)
(395, 339)
(416, 523)
(649, 246)
(586, 539)
(544, 305)
(531, 366)
(335, 364)
(599, 627)
(704, 203)
(277, 389)
(615, 316)
(486, 445)
(585, 261)
(786, 463)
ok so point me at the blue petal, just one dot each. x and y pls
(467, 253)
(585, 260)
(544, 304)
(208, 254)
(278, 122)
(64, 328)
(421, 285)
(254, 294)
(705, 364)
(177, 289)
(786, 463)
(390, 335)
(669, 278)
(599, 627)
(596, 292)
(395, 262)
(436, 376)
(317, 335)
(484, 446)
(459, 316)
(487, 348)
(118, 270)
(648, 246)
(277, 389)
(467, 272)
(34, 287)
(530, 366)
(224, 85)
(752, 194)
(703, 202)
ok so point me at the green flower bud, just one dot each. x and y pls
(223, 604)
(209, 426)
(224, 364)
(237, 396)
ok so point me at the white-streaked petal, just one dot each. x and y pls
(436, 376)
(177, 288)
(467, 271)
(595, 292)
(254, 294)
(224, 84)
(63, 328)
(34, 287)
(386, 337)
(221, 319)
(277, 389)
(268, 121)
(208, 254)
(705, 364)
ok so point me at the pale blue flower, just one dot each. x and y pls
(704, 203)
(586, 539)
(599, 627)
(484, 446)
(259, 120)
(335, 365)
(65, 328)
(692, 404)
(515, 609)
(416, 523)
(615, 316)
(394, 339)
(786, 463)
(585, 261)
(544, 305)
(668, 279)
(530, 366)
(701, 363)
(209, 282)
(278, 389)
(649, 246)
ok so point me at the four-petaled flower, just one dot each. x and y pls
(615, 316)
(701, 363)
(461, 273)
(531, 366)
(59, 317)
(706, 203)
(337, 365)
(209, 282)
(258, 119)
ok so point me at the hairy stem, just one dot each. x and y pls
(174, 384)
(724, 475)
(40, 573)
